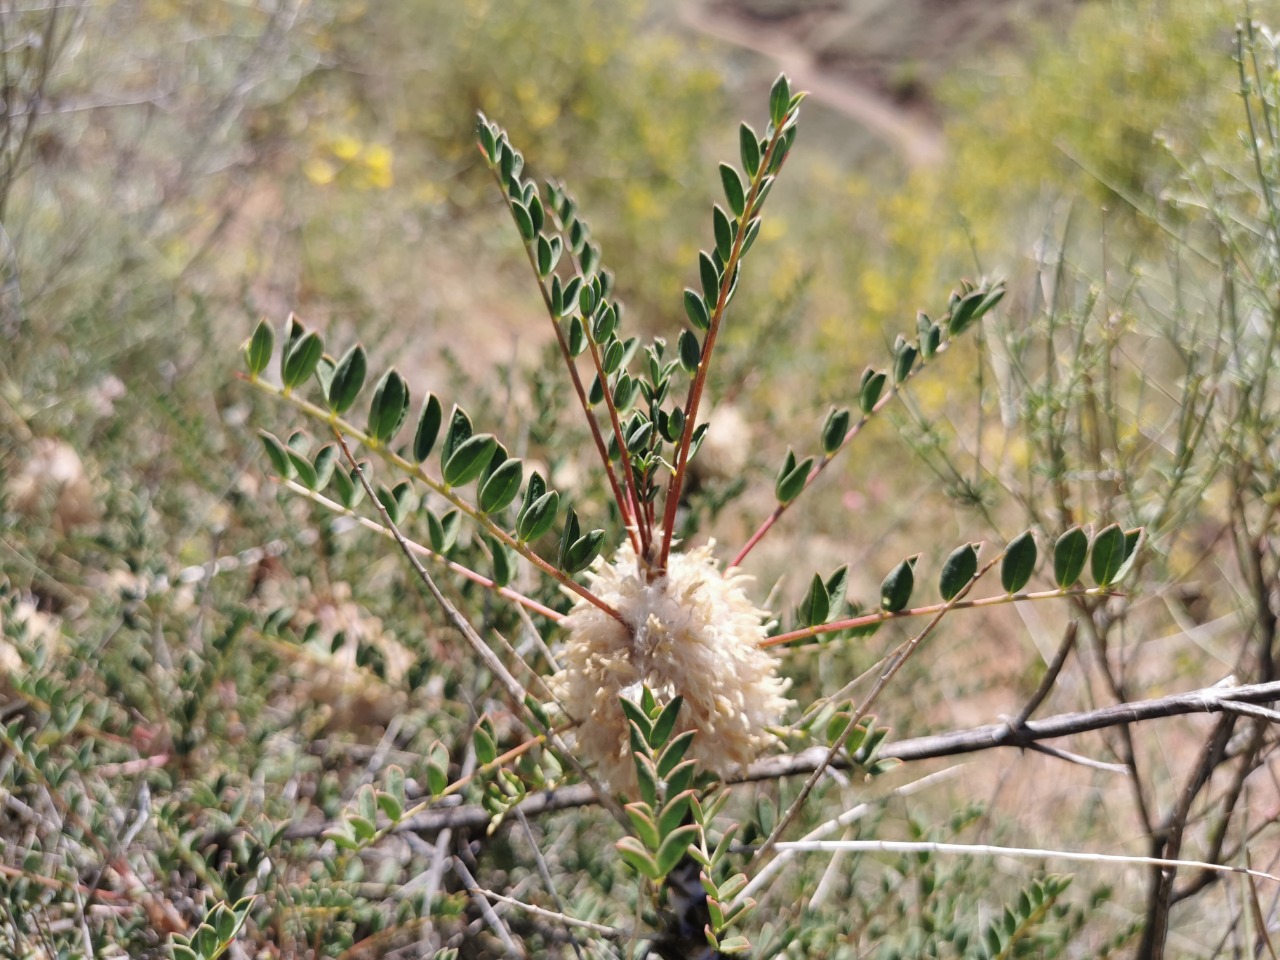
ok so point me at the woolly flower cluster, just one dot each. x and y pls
(692, 633)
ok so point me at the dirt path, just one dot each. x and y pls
(918, 140)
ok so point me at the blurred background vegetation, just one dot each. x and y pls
(170, 172)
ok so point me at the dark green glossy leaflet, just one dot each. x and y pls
(958, 570)
(895, 591)
(1019, 563)
(1069, 553)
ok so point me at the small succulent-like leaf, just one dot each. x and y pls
(577, 337)
(674, 812)
(539, 518)
(665, 723)
(486, 749)
(869, 392)
(696, 307)
(633, 852)
(710, 277)
(459, 431)
(723, 232)
(568, 537)
(1108, 554)
(958, 570)
(646, 830)
(673, 848)
(673, 754)
(468, 459)
(1069, 554)
(504, 562)
(429, 420)
(779, 100)
(388, 407)
(605, 323)
(733, 189)
(749, 147)
(904, 357)
(792, 477)
(305, 471)
(348, 379)
(690, 352)
(300, 359)
(895, 591)
(259, 347)
(816, 603)
(636, 714)
(834, 430)
(502, 486)
(277, 454)
(1019, 562)
(524, 222)
(583, 551)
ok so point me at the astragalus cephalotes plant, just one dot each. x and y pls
(668, 681)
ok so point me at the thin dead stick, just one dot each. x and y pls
(495, 666)
(974, 740)
(612, 933)
(1026, 853)
(1250, 710)
(548, 882)
(490, 915)
(850, 816)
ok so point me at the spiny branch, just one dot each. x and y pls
(955, 743)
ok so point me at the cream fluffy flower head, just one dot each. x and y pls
(693, 633)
